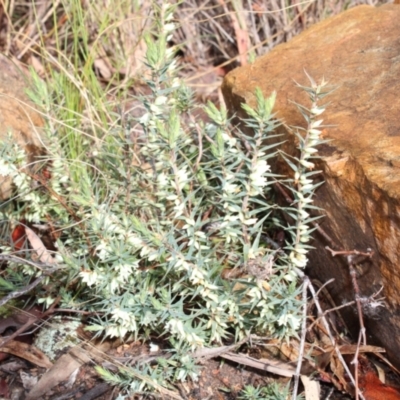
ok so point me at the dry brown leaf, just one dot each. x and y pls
(290, 350)
(104, 68)
(28, 380)
(381, 372)
(323, 359)
(61, 371)
(354, 348)
(39, 248)
(312, 388)
(67, 365)
(27, 352)
(38, 66)
(338, 370)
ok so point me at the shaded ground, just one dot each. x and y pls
(219, 380)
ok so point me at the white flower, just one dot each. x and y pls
(286, 318)
(102, 250)
(299, 260)
(290, 276)
(175, 326)
(146, 250)
(124, 271)
(5, 168)
(257, 176)
(194, 340)
(176, 82)
(144, 120)
(228, 139)
(154, 348)
(315, 132)
(134, 241)
(304, 214)
(316, 124)
(300, 250)
(231, 218)
(172, 197)
(163, 180)
(189, 222)
(230, 236)
(312, 142)
(152, 256)
(178, 208)
(310, 150)
(89, 277)
(304, 180)
(182, 177)
(250, 221)
(116, 331)
(195, 243)
(230, 188)
(160, 100)
(197, 276)
(119, 314)
(262, 167)
(307, 164)
(317, 110)
(255, 292)
(169, 53)
(182, 265)
(113, 285)
(305, 238)
(169, 27)
(156, 109)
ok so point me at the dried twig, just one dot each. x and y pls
(20, 292)
(306, 282)
(369, 253)
(282, 369)
(207, 353)
(331, 337)
(362, 338)
(368, 300)
(31, 320)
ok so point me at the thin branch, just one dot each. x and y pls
(369, 253)
(42, 266)
(31, 320)
(306, 282)
(331, 337)
(20, 292)
(353, 275)
(355, 359)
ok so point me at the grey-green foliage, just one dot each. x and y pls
(185, 202)
(159, 214)
(273, 391)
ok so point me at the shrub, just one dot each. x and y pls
(162, 223)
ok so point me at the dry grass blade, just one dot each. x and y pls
(206, 26)
(275, 367)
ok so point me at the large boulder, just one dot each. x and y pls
(17, 117)
(358, 52)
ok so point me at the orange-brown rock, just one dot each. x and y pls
(17, 116)
(358, 52)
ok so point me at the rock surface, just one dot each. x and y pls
(17, 116)
(358, 52)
